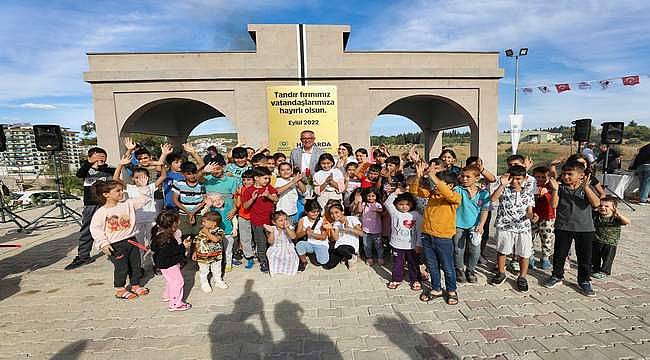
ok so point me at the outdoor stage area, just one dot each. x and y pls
(51, 313)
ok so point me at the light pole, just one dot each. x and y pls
(511, 53)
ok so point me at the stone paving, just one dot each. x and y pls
(51, 313)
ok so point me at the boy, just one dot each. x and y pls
(245, 231)
(513, 224)
(228, 224)
(260, 199)
(373, 178)
(471, 216)
(189, 197)
(438, 229)
(529, 185)
(573, 221)
(239, 164)
(208, 251)
(92, 170)
(608, 222)
(175, 160)
(544, 227)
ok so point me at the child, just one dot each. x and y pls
(373, 178)
(329, 182)
(239, 164)
(471, 216)
(279, 158)
(608, 222)
(288, 186)
(315, 241)
(113, 226)
(351, 183)
(175, 172)
(361, 154)
(260, 199)
(208, 251)
(448, 156)
(228, 225)
(544, 227)
(189, 198)
(439, 226)
(244, 221)
(168, 253)
(281, 252)
(367, 206)
(406, 226)
(92, 170)
(513, 224)
(345, 231)
(574, 202)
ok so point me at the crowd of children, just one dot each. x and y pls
(250, 207)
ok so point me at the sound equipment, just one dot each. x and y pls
(3, 139)
(582, 130)
(48, 137)
(612, 133)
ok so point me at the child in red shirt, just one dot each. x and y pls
(245, 231)
(543, 229)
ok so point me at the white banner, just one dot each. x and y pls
(516, 121)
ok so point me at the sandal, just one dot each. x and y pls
(139, 290)
(393, 285)
(452, 299)
(126, 295)
(416, 286)
(430, 296)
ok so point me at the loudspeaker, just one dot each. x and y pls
(3, 139)
(48, 137)
(582, 130)
(612, 133)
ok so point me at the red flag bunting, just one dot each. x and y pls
(562, 87)
(630, 80)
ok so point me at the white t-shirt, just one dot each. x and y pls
(321, 175)
(346, 237)
(150, 210)
(308, 223)
(305, 160)
(288, 201)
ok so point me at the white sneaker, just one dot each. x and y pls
(221, 284)
(206, 288)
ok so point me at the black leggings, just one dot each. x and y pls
(343, 252)
(126, 260)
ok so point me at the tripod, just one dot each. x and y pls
(6, 215)
(607, 189)
(65, 212)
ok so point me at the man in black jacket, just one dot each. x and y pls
(92, 170)
(641, 164)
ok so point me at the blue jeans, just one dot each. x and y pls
(371, 241)
(439, 254)
(461, 240)
(644, 182)
(322, 252)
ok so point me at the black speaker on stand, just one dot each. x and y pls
(581, 131)
(6, 215)
(48, 137)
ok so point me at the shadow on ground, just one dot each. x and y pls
(412, 341)
(72, 351)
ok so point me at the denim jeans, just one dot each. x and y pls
(644, 182)
(322, 252)
(439, 254)
(461, 240)
(373, 241)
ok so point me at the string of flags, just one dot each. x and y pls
(629, 80)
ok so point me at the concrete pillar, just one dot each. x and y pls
(486, 136)
(177, 141)
(108, 133)
(432, 143)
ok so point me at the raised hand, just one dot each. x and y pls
(125, 160)
(358, 198)
(187, 147)
(298, 177)
(268, 228)
(209, 167)
(129, 143)
(166, 149)
(528, 163)
(419, 168)
(504, 179)
(554, 183)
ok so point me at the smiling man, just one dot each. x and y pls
(306, 156)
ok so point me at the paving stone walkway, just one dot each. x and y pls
(51, 313)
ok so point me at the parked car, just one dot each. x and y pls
(41, 197)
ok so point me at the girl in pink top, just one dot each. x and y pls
(113, 228)
(370, 210)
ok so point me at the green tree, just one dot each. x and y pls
(88, 133)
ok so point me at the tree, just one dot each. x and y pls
(88, 134)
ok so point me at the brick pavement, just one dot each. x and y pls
(51, 313)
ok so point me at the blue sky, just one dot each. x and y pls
(44, 44)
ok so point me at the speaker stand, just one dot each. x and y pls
(6, 215)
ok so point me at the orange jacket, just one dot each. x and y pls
(440, 213)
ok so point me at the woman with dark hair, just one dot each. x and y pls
(448, 156)
(345, 156)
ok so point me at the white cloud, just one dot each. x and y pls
(37, 106)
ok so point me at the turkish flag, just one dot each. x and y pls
(562, 87)
(631, 80)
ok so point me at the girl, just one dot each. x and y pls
(288, 187)
(352, 183)
(229, 226)
(448, 156)
(369, 208)
(281, 252)
(329, 182)
(314, 240)
(345, 156)
(406, 226)
(168, 254)
(345, 232)
(113, 228)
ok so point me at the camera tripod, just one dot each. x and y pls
(65, 212)
(6, 215)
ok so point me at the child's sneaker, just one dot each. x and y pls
(302, 266)
(499, 278)
(532, 261)
(599, 276)
(551, 282)
(236, 262)
(546, 264)
(228, 268)
(183, 307)
(567, 263)
(522, 284)
(513, 266)
(586, 289)
(249, 263)
(471, 277)
(370, 262)
(264, 268)
(206, 288)
(460, 276)
(221, 284)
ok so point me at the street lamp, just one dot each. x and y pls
(511, 53)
